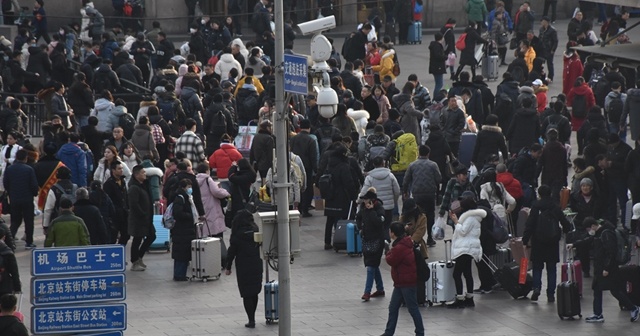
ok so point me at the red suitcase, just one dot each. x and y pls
(577, 270)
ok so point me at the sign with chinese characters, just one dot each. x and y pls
(75, 319)
(78, 260)
(295, 74)
(79, 289)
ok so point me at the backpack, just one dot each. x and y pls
(167, 109)
(128, 124)
(325, 184)
(250, 105)
(299, 174)
(547, 228)
(406, 152)
(422, 269)
(460, 43)
(579, 106)
(325, 138)
(7, 78)
(500, 231)
(601, 90)
(218, 124)
(187, 108)
(503, 108)
(616, 107)
(376, 151)
(101, 82)
(60, 193)
(156, 132)
(167, 218)
(482, 178)
(624, 245)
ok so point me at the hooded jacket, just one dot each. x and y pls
(75, 159)
(211, 194)
(466, 236)
(403, 263)
(361, 118)
(526, 92)
(476, 10)
(142, 139)
(513, 186)
(409, 114)
(67, 230)
(108, 114)
(490, 140)
(222, 159)
(386, 186)
(541, 97)
(39, 63)
(572, 69)
(524, 129)
(225, 64)
(437, 58)
(582, 90)
(90, 214)
(385, 68)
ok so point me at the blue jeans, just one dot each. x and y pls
(439, 83)
(551, 276)
(180, 269)
(408, 295)
(373, 273)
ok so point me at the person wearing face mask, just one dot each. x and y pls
(184, 231)
(585, 203)
(603, 242)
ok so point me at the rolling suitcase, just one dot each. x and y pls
(340, 233)
(467, 144)
(271, 291)
(206, 259)
(390, 30)
(501, 257)
(508, 275)
(523, 216)
(440, 287)
(354, 242)
(415, 33)
(575, 266)
(161, 243)
(631, 275)
(490, 67)
(568, 295)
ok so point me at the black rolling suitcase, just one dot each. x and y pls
(569, 296)
(390, 30)
(508, 276)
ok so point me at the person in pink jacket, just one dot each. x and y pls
(211, 194)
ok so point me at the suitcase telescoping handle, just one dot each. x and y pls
(448, 252)
(489, 263)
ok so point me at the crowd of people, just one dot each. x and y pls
(102, 170)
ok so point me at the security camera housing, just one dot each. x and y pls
(318, 25)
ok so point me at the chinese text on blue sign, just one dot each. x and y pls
(80, 289)
(295, 74)
(78, 260)
(74, 319)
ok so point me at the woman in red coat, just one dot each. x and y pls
(572, 69)
(222, 159)
(579, 113)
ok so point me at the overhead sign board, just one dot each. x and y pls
(78, 260)
(112, 333)
(78, 289)
(79, 319)
(296, 79)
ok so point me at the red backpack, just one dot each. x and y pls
(461, 44)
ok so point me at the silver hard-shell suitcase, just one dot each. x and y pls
(440, 286)
(206, 259)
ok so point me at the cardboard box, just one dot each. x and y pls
(318, 202)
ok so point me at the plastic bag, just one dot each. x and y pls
(473, 172)
(437, 232)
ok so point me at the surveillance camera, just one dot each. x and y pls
(318, 25)
(327, 102)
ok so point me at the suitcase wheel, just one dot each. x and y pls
(430, 303)
(204, 279)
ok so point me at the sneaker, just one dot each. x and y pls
(535, 295)
(551, 299)
(468, 302)
(377, 294)
(142, 263)
(457, 304)
(136, 267)
(30, 246)
(250, 325)
(365, 297)
(635, 313)
(595, 319)
(306, 214)
(482, 291)
(327, 246)
(431, 243)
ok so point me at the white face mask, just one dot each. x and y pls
(61, 32)
(592, 233)
(203, 21)
(193, 31)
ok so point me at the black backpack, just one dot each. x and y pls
(326, 133)
(101, 82)
(250, 105)
(503, 109)
(128, 124)
(579, 106)
(167, 109)
(482, 178)
(218, 124)
(616, 107)
(61, 192)
(547, 228)
(325, 184)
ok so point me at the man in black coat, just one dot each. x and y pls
(164, 52)
(603, 243)
(392, 90)
(369, 103)
(489, 141)
(20, 183)
(350, 81)
(90, 135)
(19, 75)
(213, 130)
(346, 191)
(142, 49)
(306, 148)
(91, 216)
(618, 152)
(116, 188)
(524, 170)
(354, 47)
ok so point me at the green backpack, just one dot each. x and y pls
(406, 152)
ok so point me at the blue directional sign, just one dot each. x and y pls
(78, 319)
(112, 333)
(78, 260)
(78, 289)
(295, 74)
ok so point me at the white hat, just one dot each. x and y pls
(537, 82)
(636, 211)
